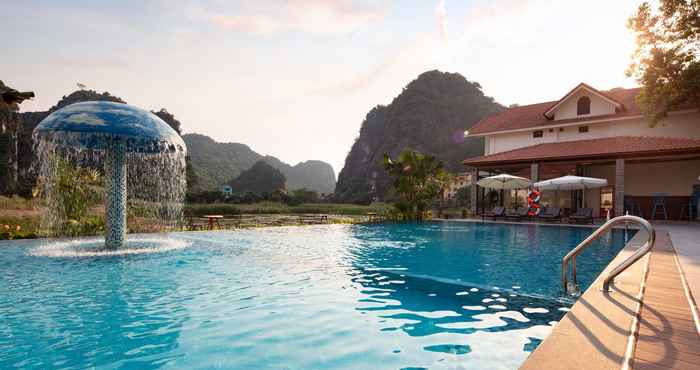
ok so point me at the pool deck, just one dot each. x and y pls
(648, 322)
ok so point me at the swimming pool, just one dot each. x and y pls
(394, 296)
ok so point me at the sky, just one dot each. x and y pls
(295, 79)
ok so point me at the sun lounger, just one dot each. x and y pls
(582, 215)
(517, 215)
(551, 214)
(497, 212)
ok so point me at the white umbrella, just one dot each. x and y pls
(570, 182)
(504, 181)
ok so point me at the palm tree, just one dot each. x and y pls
(418, 180)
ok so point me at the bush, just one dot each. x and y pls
(13, 232)
(90, 225)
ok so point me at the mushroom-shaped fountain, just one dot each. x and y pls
(125, 139)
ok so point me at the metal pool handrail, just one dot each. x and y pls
(571, 256)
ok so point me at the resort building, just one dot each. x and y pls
(649, 168)
(460, 181)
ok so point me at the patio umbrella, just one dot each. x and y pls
(570, 182)
(504, 182)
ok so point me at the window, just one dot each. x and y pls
(583, 106)
(561, 129)
(583, 129)
(537, 133)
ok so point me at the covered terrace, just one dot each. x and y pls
(641, 171)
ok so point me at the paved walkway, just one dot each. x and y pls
(667, 336)
(686, 242)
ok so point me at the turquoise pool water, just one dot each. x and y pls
(397, 296)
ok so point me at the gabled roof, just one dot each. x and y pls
(533, 115)
(611, 147)
(582, 86)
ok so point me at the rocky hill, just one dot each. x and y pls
(260, 178)
(210, 164)
(430, 115)
(217, 163)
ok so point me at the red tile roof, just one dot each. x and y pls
(591, 149)
(529, 116)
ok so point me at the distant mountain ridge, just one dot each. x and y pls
(430, 115)
(217, 163)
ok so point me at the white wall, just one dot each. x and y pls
(672, 178)
(684, 125)
(569, 109)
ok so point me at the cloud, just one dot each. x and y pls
(442, 20)
(309, 16)
(89, 62)
(86, 119)
(256, 24)
(358, 82)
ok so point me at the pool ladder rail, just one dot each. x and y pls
(570, 287)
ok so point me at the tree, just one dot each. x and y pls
(463, 196)
(418, 179)
(300, 196)
(168, 118)
(666, 60)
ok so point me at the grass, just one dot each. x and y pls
(279, 208)
(17, 211)
(15, 203)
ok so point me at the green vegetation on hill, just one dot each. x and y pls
(216, 163)
(430, 116)
(260, 178)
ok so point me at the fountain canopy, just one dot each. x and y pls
(97, 124)
(124, 136)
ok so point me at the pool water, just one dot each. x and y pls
(396, 296)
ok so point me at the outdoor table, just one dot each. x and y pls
(214, 219)
(372, 216)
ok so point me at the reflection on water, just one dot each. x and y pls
(324, 297)
(464, 322)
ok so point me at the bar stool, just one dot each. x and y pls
(658, 200)
(691, 207)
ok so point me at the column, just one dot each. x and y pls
(619, 187)
(535, 172)
(115, 196)
(472, 190)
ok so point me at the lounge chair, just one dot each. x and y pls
(551, 214)
(582, 215)
(496, 213)
(517, 215)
